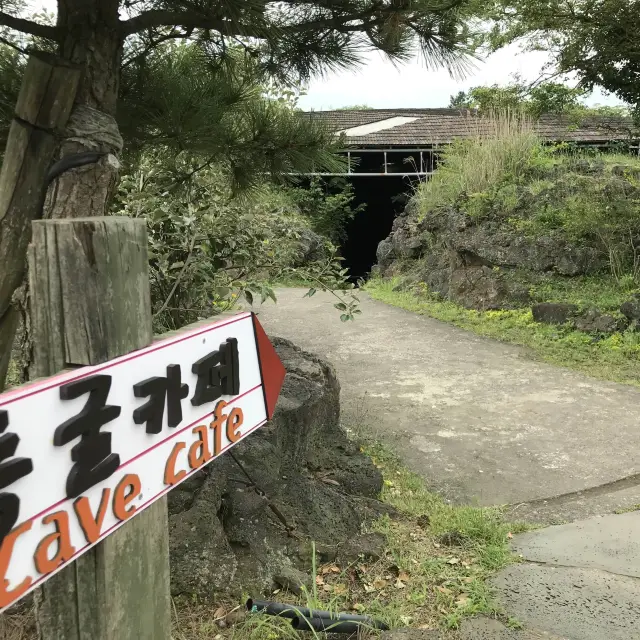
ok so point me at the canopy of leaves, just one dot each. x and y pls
(544, 98)
(205, 97)
(595, 39)
(291, 40)
(177, 99)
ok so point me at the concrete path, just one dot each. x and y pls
(579, 580)
(481, 421)
(478, 419)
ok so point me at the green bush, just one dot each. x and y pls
(327, 206)
(209, 249)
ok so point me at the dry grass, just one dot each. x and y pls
(18, 625)
(503, 145)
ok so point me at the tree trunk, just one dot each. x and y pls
(93, 42)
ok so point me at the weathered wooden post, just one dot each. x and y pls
(90, 303)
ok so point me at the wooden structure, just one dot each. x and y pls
(90, 302)
(406, 142)
(44, 105)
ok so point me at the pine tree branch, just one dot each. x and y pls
(191, 20)
(186, 19)
(30, 27)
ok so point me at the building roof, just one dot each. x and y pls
(424, 127)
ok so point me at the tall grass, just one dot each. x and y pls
(501, 146)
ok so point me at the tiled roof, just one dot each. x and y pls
(442, 126)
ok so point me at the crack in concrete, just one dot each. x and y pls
(602, 489)
(554, 565)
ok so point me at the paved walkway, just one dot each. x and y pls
(481, 421)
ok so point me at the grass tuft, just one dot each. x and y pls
(499, 146)
(433, 574)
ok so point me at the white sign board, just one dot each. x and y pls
(83, 452)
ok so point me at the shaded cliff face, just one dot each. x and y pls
(486, 251)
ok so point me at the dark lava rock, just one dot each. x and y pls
(631, 309)
(224, 537)
(293, 580)
(369, 546)
(554, 312)
(594, 321)
(483, 288)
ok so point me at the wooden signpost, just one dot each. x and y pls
(88, 452)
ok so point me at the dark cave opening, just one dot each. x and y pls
(384, 198)
(383, 180)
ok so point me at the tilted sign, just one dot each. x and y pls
(83, 452)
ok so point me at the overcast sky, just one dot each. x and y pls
(380, 84)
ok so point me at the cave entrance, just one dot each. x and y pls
(383, 198)
(383, 181)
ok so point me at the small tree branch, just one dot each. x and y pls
(187, 19)
(180, 276)
(30, 27)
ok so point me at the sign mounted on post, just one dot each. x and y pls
(83, 452)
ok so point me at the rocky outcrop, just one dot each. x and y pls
(499, 246)
(311, 484)
(590, 320)
(480, 264)
(631, 310)
(554, 312)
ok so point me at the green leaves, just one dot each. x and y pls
(595, 41)
(225, 250)
(176, 98)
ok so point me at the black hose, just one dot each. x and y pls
(277, 609)
(73, 161)
(326, 624)
(293, 612)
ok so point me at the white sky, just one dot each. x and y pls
(380, 84)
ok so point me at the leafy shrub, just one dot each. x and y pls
(327, 205)
(207, 249)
